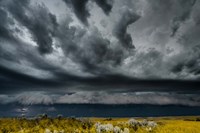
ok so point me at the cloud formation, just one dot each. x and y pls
(37, 20)
(106, 5)
(120, 31)
(81, 10)
(103, 97)
(136, 48)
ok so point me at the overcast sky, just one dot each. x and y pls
(100, 51)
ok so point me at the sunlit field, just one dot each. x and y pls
(44, 124)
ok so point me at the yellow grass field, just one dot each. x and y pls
(101, 125)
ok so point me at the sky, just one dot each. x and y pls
(100, 52)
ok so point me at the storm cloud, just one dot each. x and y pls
(81, 10)
(101, 46)
(120, 31)
(102, 97)
(106, 5)
(37, 20)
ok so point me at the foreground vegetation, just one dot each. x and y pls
(43, 124)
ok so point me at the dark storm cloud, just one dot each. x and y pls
(105, 5)
(120, 31)
(190, 64)
(3, 24)
(189, 40)
(41, 25)
(189, 36)
(186, 7)
(176, 13)
(102, 97)
(38, 20)
(82, 12)
(86, 47)
(80, 9)
(99, 61)
(89, 48)
(95, 45)
(13, 81)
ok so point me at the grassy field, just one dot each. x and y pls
(43, 124)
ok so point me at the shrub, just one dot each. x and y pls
(197, 119)
(103, 127)
(117, 129)
(132, 122)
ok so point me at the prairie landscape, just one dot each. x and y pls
(43, 124)
(108, 66)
